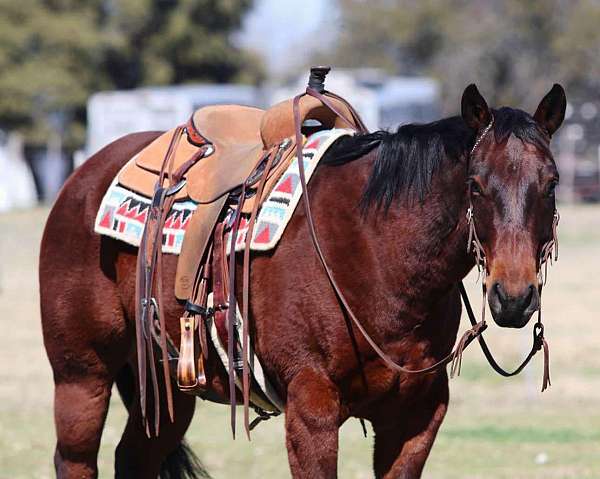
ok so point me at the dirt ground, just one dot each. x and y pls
(495, 428)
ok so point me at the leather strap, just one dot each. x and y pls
(149, 304)
(219, 270)
(538, 343)
(150, 245)
(469, 335)
(271, 161)
(356, 119)
(231, 312)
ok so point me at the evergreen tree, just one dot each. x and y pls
(514, 50)
(55, 53)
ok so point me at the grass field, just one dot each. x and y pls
(495, 428)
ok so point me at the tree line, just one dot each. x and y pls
(513, 49)
(55, 53)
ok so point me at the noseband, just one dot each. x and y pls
(548, 253)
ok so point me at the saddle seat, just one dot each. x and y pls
(232, 127)
(240, 136)
(233, 132)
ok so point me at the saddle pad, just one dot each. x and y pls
(277, 210)
(122, 214)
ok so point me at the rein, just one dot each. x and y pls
(478, 327)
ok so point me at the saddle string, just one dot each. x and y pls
(272, 159)
(231, 312)
(206, 272)
(174, 183)
(149, 266)
(165, 208)
(161, 318)
(145, 309)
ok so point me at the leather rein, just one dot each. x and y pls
(150, 318)
(478, 327)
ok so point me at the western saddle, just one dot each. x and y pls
(226, 158)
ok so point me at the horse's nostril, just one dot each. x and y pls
(512, 309)
(529, 295)
(531, 300)
(499, 290)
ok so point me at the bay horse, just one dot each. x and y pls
(390, 209)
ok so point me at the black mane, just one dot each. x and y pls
(407, 159)
(509, 121)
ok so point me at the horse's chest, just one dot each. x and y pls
(383, 389)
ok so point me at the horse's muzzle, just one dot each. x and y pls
(513, 311)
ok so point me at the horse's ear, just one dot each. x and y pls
(551, 111)
(474, 109)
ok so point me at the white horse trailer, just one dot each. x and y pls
(17, 187)
(383, 101)
(113, 114)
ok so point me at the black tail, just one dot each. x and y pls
(182, 463)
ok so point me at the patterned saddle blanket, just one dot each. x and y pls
(123, 213)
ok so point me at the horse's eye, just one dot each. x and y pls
(475, 188)
(551, 190)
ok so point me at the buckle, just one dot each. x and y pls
(199, 310)
(175, 188)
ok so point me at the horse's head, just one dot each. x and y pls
(511, 183)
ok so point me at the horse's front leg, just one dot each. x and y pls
(312, 419)
(402, 444)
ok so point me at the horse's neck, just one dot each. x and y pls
(413, 253)
(431, 235)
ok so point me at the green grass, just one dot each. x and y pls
(495, 428)
(519, 435)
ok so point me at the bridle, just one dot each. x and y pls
(548, 253)
(478, 327)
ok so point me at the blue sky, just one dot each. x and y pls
(286, 32)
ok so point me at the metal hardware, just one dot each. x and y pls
(485, 132)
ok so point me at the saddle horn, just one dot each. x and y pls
(316, 80)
